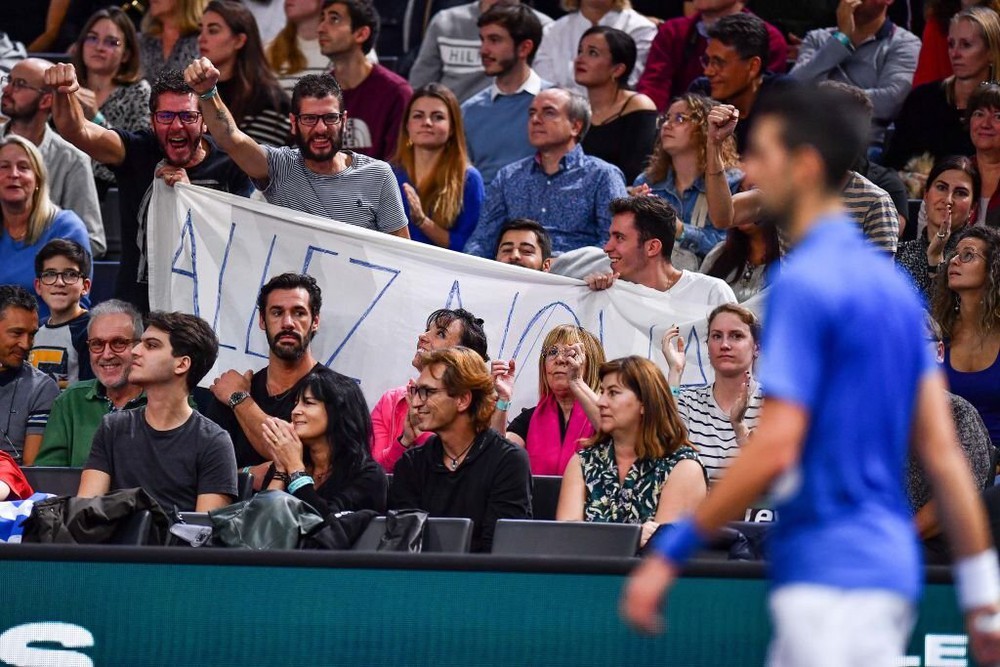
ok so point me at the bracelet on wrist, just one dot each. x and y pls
(843, 39)
(210, 94)
(503, 404)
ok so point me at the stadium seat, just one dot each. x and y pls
(545, 496)
(526, 537)
(134, 531)
(441, 535)
(52, 479)
(244, 486)
(103, 288)
(111, 216)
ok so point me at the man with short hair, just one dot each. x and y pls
(466, 469)
(375, 98)
(566, 191)
(675, 56)
(866, 50)
(288, 308)
(316, 176)
(495, 130)
(526, 243)
(27, 101)
(449, 52)
(642, 239)
(114, 328)
(178, 456)
(175, 149)
(26, 393)
(836, 427)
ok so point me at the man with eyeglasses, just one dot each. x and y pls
(114, 328)
(27, 101)
(26, 393)
(316, 176)
(175, 149)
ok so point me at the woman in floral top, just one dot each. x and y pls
(640, 467)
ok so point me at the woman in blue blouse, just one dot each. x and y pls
(30, 219)
(442, 192)
(676, 172)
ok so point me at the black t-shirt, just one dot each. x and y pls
(346, 490)
(279, 406)
(135, 178)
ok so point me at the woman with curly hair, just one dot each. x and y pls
(677, 171)
(967, 306)
(639, 467)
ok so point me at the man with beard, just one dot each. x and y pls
(174, 149)
(288, 306)
(316, 177)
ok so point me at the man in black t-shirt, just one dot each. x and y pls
(288, 307)
(174, 149)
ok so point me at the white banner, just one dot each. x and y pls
(210, 252)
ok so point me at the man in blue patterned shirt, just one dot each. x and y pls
(560, 187)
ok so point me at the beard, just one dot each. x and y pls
(288, 352)
(336, 143)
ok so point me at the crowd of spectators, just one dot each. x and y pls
(605, 144)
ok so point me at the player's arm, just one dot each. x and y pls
(250, 156)
(100, 143)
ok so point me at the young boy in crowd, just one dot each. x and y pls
(62, 270)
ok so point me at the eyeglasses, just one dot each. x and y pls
(167, 117)
(965, 256)
(110, 42)
(421, 392)
(672, 119)
(97, 345)
(69, 277)
(329, 119)
(714, 62)
(19, 84)
(555, 351)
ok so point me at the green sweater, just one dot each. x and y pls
(74, 419)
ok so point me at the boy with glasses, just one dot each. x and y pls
(62, 279)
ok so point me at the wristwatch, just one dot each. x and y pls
(296, 475)
(237, 397)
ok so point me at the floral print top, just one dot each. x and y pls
(633, 501)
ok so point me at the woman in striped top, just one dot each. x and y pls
(719, 416)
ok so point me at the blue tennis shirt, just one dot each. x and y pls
(844, 339)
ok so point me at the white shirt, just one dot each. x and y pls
(533, 84)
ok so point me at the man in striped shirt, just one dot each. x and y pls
(316, 176)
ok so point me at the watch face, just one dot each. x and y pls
(237, 397)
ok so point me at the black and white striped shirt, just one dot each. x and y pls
(709, 429)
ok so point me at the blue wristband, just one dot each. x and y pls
(299, 483)
(678, 544)
(676, 391)
(210, 94)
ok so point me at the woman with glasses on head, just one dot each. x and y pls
(442, 193)
(677, 173)
(322, 455)
(229, 38)
(112, 93)
(556, 427)
(950, 203)
(30, 219)
(623, 122)
(934, 117)
(966, 304)
(169, 37)
(639, 467)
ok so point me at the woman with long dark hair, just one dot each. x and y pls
(230, 39)
(322, 456)
(747, 260)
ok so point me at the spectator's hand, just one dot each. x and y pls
(984, 634)
(61, 77)
(417, 214)
(229, 383)
(172, 175)
(845, 17)
(937, 242)
(88, 100)
(739, 409)
(794, 43)
(648, 528)
(575, 357)
(283, 444)
(410, 429)
(601, 281)
(722, 120)
(644, 591)
(503, 378)
(672, 346)
(641, 190)
(201, 75)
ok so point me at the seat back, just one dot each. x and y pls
(244, 486)
(526, 537)
(134, 530)
(545, 496)
(54, 479)
(195, 518)
(441, 535)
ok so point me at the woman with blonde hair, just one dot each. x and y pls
(639, 467)
(677, 171)
(169, 37)
(556, 55)
(295, 51)
(442, 193)
(554, 430)
(30, 219)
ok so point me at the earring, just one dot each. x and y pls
(409, 142)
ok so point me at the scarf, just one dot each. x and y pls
(547, 452)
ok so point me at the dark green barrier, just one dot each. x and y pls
(363, 609)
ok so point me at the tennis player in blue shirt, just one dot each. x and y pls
(849, 382)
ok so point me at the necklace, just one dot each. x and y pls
(748, 271)
(456, 459)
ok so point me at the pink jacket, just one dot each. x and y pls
(388, 418)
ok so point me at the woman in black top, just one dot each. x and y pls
(328, 440)
(623, 122)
